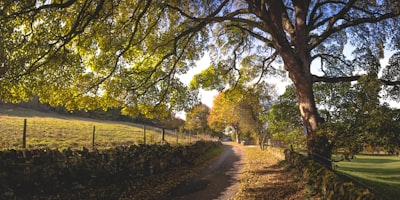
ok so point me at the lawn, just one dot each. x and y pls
(379, 172)
(49, 130)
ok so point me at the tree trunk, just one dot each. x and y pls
(318, 146)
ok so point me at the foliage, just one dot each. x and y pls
(196, 119)
(221, 114)
(87, 55)
(44, 171)
(284, 120)
(354, 115)
(242, 108)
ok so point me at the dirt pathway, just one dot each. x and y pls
(218, 181)
(242, 173)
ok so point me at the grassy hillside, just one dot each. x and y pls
(379, 172)
(50, 130)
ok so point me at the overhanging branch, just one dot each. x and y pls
(324, 79)
(390, 83)
(317, 79)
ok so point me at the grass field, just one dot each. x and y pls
(379, 172)
(49, 130)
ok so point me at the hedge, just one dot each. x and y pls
(327, 182)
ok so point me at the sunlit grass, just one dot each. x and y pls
(46, 130)
(379, 172)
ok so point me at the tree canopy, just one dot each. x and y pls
(86, 54)
(242, 108)
(196, 119)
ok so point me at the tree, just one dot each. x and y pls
(196, 119)
(254, 103)
(138, 47)
(353, 113)
(284, 121)
(299, 33)
(223, 114)
(242, 108)
(85, 54)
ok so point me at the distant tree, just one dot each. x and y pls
(196, 119)
(284, 122)
(171, 123)
(254, 103)
(223, 114)
(242, 108)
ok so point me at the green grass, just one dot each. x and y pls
(381, 173)
(49, 130)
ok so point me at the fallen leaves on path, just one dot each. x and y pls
(263, 178)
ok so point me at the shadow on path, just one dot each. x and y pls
(218, 181)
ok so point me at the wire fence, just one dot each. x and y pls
(33, 134)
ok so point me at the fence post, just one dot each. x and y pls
(163, 136)
(144, 134)
(94, 132)
(176, 133)
(24, 135)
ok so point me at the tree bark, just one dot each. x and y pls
(318, 146)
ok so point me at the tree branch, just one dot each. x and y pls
(267, 41)
(317, 79)
(390, 83)
(331, 30)
(33, 8)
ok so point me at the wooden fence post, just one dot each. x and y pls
(176, 133)
(144, 134)
(24, 135)
(93, 135)
(163, 136)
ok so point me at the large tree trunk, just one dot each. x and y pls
(318, 146)
(297, 58)
(298, 65)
